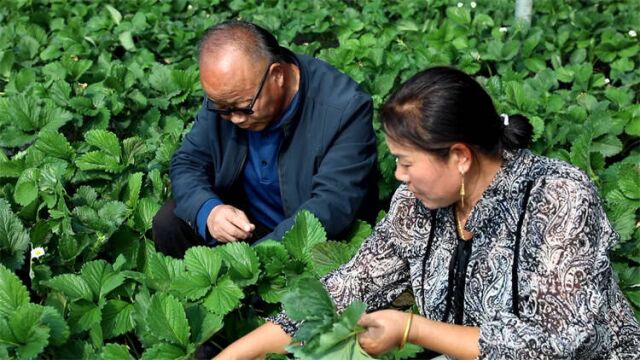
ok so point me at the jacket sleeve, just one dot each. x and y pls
(567, 286)
(376, 275)
(191, 169)
(345, 174)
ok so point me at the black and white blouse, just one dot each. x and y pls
(537, 279)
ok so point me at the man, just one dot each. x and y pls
(278, 132)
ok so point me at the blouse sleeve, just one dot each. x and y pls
(376, 275)
(566, 283)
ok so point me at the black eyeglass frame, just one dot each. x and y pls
(243, 110)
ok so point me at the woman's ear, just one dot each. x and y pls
(461, 156)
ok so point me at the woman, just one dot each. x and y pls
(505, 251)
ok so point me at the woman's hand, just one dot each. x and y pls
(384, 331)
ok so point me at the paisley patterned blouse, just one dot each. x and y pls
(538, 282)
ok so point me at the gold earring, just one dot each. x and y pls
(462, 190)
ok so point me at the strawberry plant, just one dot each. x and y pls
(96, 96)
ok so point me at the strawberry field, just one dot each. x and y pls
(96, 96)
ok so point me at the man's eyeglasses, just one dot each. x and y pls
(211, 106)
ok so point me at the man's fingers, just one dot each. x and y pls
(241, 220)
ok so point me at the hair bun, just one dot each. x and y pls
(517, 133)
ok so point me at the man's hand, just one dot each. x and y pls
(227, 224)
(384, 331)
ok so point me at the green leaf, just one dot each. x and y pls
(242, 261)
(308, 300)
(167, 320)
(303, 236)
(133, 189)
(144, 213)
(191, 286)
(273, 257)
(115, 14)
(162, 271)
(581, 152)
(329, 255)
(58, 328)
(629, 181)
(14, 239)
(26, 190)
(203, 260)
(115, 352)
(54, 144)
(224, 297)
(117, 318)
(83, 316)
(105, 141)
(98, 160)
(163, 351)
(126, 40)
(608, 145)
(203, 324)
(101, 278)
(12, 293)
(29, 333)
(114, 212)
(73, 286)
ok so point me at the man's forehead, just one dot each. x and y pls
(228, 75)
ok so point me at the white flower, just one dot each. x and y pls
(503, 29)
(473, 4)
(633, 33)
(37, 252)
(460, 4)
(606, 80)
(190, 7)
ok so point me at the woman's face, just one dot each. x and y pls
(434, 180)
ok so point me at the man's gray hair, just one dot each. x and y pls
(251, 39)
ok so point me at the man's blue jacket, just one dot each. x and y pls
(326, 161)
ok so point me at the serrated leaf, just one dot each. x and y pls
(581, 152)
(162, 270)
(98, 160)
(224, 297)
(114, 213)
(163, 351)
(329, 255)
(343, 329)
(132, 148)
(26, 189)
(273, 256)
(14, 239)
(308, 299)
(242, 261)
(58, 328)
(105, 141)
(191, 286)
(54, 144)
(161, 79)
(133, 189)
(303, 236)
(115, 352)
(117, 318)
(203, 260)
(73, 286)
(629, 181)
(31, 336)
(203, 324)
(608, 145)
(84, 316)
(101, 278)
(144, 213)
(167, 319)
(12, 293)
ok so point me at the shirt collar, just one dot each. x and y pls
(505, 188)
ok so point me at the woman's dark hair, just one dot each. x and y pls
(251, 38)
(441, 105)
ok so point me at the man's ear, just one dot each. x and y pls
(462, 156)
(277, 70)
